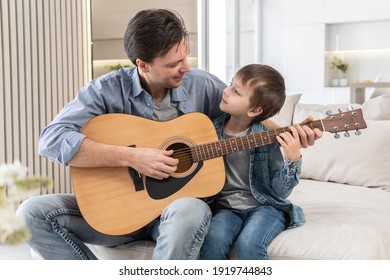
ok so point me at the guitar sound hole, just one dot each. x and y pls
(182, 152)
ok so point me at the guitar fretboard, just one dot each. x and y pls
(241, 143)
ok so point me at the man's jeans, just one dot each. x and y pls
(58, 230)
(250, 230)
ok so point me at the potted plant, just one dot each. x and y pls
(117, 67)
(339, 64)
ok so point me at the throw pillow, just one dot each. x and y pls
(362, 160)
(377, 108)
(285, 116)
(318, 111)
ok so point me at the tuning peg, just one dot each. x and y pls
(328, 113)
(336, 135)
(357, 132)
(350, 108)
(340, 111)
(346, 134)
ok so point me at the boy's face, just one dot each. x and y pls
(236, 99)
(167, 71)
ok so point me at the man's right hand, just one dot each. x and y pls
(154, 163)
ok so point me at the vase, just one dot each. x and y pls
(343, 82)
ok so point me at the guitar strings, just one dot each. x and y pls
(230, 142)
(220, 148)
(208, 148)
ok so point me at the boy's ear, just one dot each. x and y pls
(255, 112)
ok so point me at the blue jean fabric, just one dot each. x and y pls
(58, 230)
(250, 231)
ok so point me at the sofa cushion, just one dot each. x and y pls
(138, 250)
(358, 160)
(342, 222)
(318, 111)
(284, 117)
(377, 108)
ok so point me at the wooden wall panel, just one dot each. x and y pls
(45, 58)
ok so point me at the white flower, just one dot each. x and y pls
(12, 229)
(10, 173)
(16, 186)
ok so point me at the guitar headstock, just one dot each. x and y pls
(344, 122)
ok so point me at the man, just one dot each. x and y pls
(160, 87)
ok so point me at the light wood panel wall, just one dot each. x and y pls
(45, 58)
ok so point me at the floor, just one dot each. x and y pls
(17, 252)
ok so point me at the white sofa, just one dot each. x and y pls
(344, 191)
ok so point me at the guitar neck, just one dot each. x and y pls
(241, 143)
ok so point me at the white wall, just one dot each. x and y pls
(273, 35)
(295, 37)
(298, 36)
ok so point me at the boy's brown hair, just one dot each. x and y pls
(268, 88)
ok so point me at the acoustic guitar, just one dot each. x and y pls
(119, 201)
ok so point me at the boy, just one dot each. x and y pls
(252, 208)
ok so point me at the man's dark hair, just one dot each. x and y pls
(152, 33)
(268, 88)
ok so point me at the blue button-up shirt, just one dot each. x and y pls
(121, 92)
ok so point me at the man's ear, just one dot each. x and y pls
(142, 65)
(254, 112)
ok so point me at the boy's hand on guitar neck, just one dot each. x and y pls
(154, 163)
(290, 143)
(307, 135)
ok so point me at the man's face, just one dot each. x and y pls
(167, 71)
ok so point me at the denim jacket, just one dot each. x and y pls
(271, 177)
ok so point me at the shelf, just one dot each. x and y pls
(358, 90)
(364, 65)
(362, 45)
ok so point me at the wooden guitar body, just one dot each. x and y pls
(108, 198)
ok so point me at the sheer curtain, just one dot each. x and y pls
(229, 35)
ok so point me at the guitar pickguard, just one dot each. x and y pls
(160, 189)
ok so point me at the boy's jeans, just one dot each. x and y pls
(58, 231)
(250, 230)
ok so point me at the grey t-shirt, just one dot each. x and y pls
(236, 192)
(163, 110)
